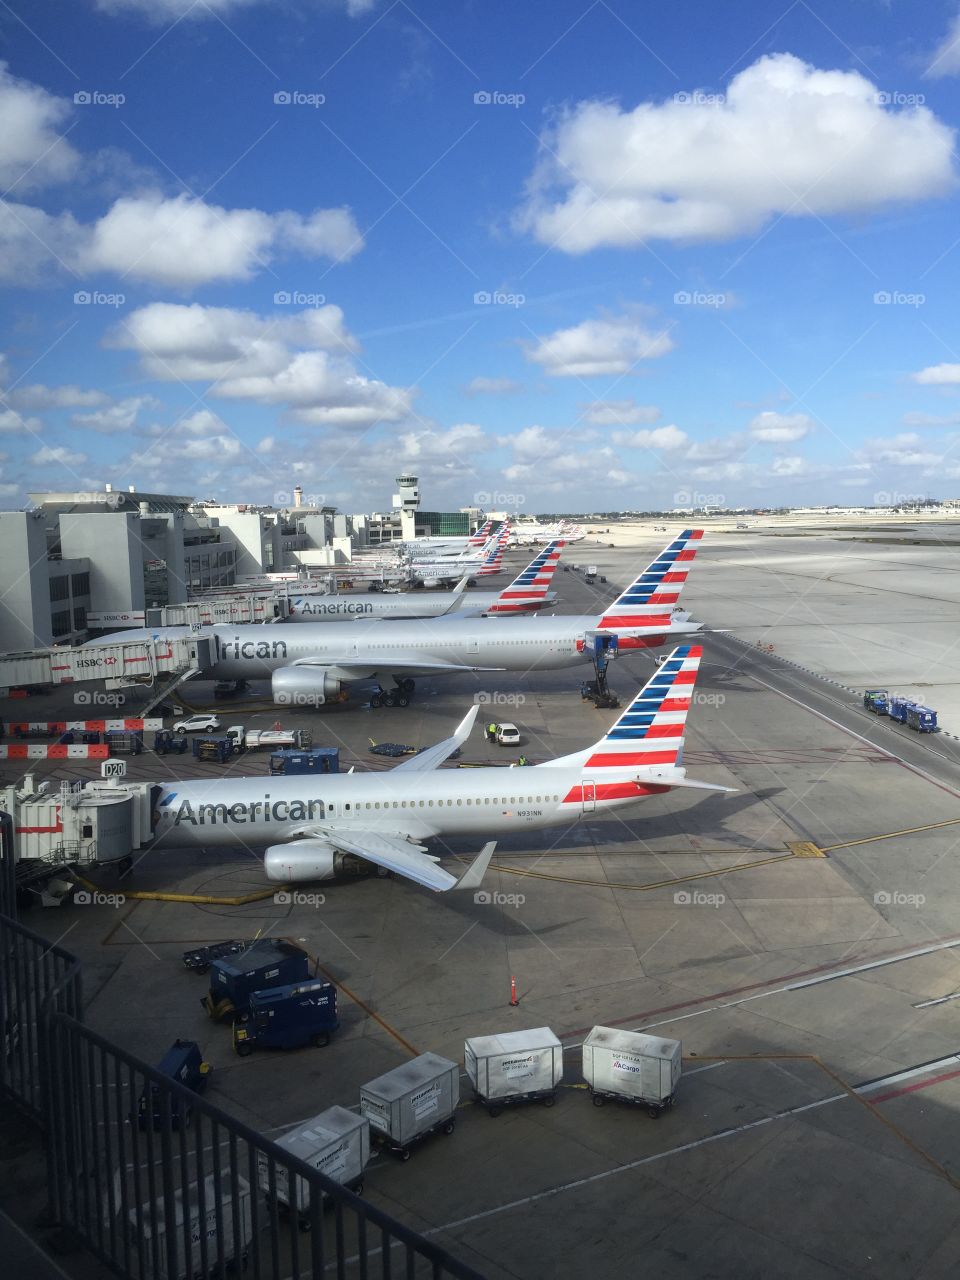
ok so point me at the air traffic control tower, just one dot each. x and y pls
(407, 497)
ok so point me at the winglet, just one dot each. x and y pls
(464, 728)
(472, 878)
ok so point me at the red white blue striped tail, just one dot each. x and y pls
(482, 534)
(492, 561)
(532, 584)
(650, 731)
(649, 601)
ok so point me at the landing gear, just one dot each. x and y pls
(399, 697)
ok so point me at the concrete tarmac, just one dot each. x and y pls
(801, 937)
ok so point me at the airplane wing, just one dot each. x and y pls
(456, 595)
(434, 756)
(405, 857)
(350, 667)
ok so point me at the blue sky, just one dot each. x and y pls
(562, 258)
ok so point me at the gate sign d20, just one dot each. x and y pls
(113, 769)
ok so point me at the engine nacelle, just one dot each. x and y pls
(302, 860)
(303, 686)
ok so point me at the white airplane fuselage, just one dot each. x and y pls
(406, 604)
(492, 802)
(505, 644)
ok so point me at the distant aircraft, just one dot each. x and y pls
(309, 664)
(528, 591)
(315, 829)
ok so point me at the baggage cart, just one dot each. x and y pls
(412, 1101)
(168, 1237)
(630, 1066)
(899, 707)
(262, 965)
(514, 1067)
(336, 1142)
(288, 1017)
(923, 719)
(201, 958)
(184, 1063)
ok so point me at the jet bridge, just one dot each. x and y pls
(117, 664)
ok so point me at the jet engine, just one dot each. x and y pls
(300, 860)
(303, 686)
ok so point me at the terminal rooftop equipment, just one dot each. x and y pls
(336, 1143)
(288, 1017)
(263, 965)
(513, 1067)
(410, 1102)
(630, 1066)
(184, 1063)
(220, 1249)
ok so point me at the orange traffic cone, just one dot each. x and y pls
(514, 1001)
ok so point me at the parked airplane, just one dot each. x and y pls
(526, 533)
(308, 665)
(384, 818)
(435, 573)
(528, 591)
(424, 548)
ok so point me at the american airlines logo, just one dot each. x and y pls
(338, 606)
(265, 810)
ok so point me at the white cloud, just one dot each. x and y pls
(595, 348)
(945, 60)
(669, 437)
(938, 375)
(119, 416)
(12, 422)
(37, 396)
(300, 361)
(718, 449)
(185, 242)
(176, 241)
(619, 413)
(32, 151)
(903, 450)
(787, 139)
(770, 427)
(57, 454)
(494, 387)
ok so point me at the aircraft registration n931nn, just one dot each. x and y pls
(316, 829)
(309, 664)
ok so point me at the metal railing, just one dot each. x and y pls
(159, 1183)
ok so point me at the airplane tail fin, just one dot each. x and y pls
(532, 584)
(481, 535)
(493, 560)
(650, 599)
(650, 731)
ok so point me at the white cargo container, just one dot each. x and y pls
(336, 1142)
(514, 1066)
(411, 1101)
(632, 1066)
(171, 1262)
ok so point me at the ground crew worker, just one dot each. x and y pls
(522, 760)
(491, 732)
